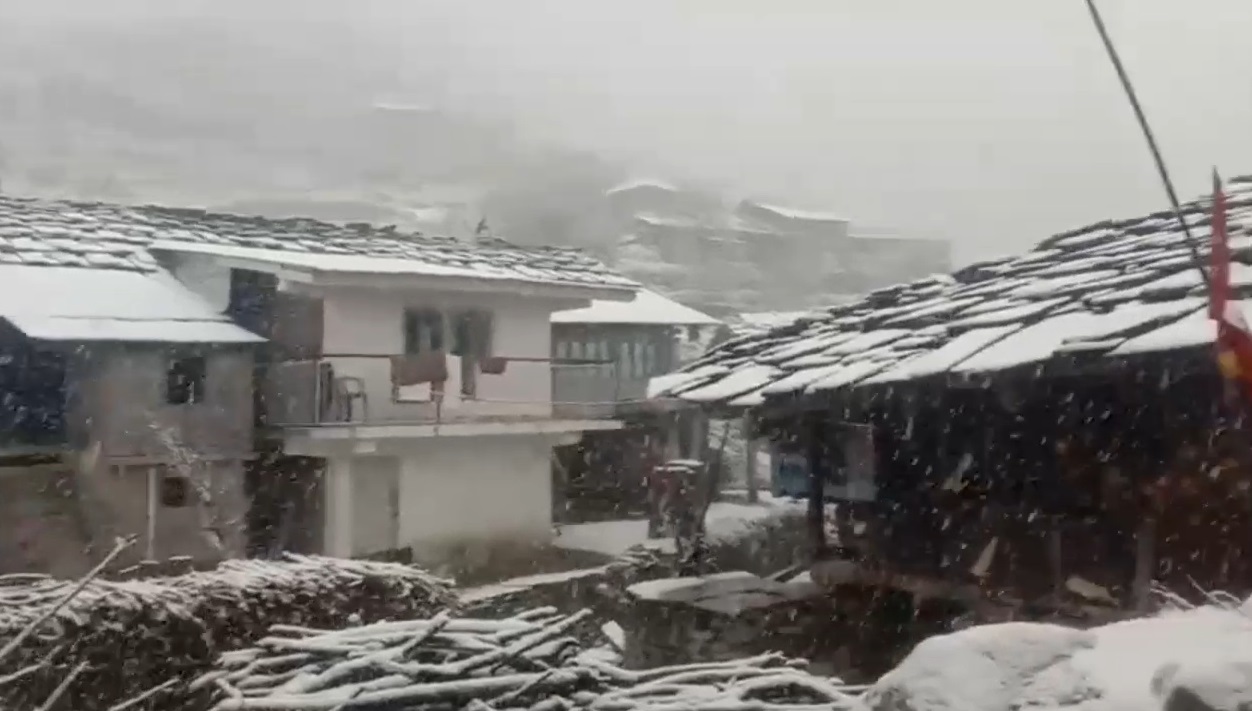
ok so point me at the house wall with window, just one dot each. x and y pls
(150, 405)
(363, 328)
(163, 433)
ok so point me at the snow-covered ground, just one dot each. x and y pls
(1167, 662)
(725, 521)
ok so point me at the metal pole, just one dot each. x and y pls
(1142, 118)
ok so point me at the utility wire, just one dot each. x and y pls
(1124, 78)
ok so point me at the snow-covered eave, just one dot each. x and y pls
(645, 308)
(478, 285)
(288, 268)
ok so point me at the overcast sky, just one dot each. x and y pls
(990, 122)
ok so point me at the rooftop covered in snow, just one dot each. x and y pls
(37, 232)
(648, 308)
(641, 184)
(1116, 288)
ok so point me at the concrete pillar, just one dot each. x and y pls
(339, 524)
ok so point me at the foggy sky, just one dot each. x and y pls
(990, 122)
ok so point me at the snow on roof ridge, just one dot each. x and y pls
(796, 213)
(647, 308)
(50, 232)
(1112, 287)
(637, 183)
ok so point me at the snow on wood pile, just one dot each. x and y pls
(135, 635)
(527, 661)
(1116, 288)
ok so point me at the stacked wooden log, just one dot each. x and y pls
(118, 639)
(528, 661)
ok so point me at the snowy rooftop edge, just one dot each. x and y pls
(647, 308)
(1117, 287)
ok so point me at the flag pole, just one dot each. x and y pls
(1142, 118)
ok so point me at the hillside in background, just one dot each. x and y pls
(254, 111)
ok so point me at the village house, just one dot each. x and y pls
(607, 353)
(400, 397)
(1042, 428)
(729, 258)
(127, 397)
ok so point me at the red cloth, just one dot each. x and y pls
(1234, 338)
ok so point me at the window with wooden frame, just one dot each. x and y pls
(185, 380)
(423, 330)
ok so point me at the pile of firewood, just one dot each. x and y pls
(101, 643)
(528, 661)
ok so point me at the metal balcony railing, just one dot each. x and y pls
(436, 387)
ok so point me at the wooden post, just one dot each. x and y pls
(1145, 564)
(815, 451)
(699, 435)
(153, 481)
(1056, 556)
(750, 449)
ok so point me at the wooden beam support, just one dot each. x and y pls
(816, 456)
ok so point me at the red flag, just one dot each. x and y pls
(1234, 338)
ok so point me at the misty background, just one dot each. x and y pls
(990, 123)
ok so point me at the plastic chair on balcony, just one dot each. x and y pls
(348, 389)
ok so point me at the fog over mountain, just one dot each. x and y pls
(989, 122)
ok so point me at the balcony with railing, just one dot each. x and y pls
(596, 389)
(430, 388)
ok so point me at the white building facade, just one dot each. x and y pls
(421, 386)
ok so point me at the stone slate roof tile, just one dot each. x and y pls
(1117, 287)
(40, 232)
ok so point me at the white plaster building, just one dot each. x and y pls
(432, 460)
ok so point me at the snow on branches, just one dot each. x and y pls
(133, 636)
(528, 661)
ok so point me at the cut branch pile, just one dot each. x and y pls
(130, 637)
(528, 661)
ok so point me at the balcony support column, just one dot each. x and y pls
(339, 524)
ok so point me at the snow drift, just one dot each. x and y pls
(1180, 659)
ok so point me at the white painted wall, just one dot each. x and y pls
(370, 322)
(448, 491)
(460, 489)
(376, 482)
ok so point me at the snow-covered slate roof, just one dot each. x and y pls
(795, 213)
(93, 304)
(647, 308)
(639, 183)
(37, 232)
(1118, 287)
(757, 322)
